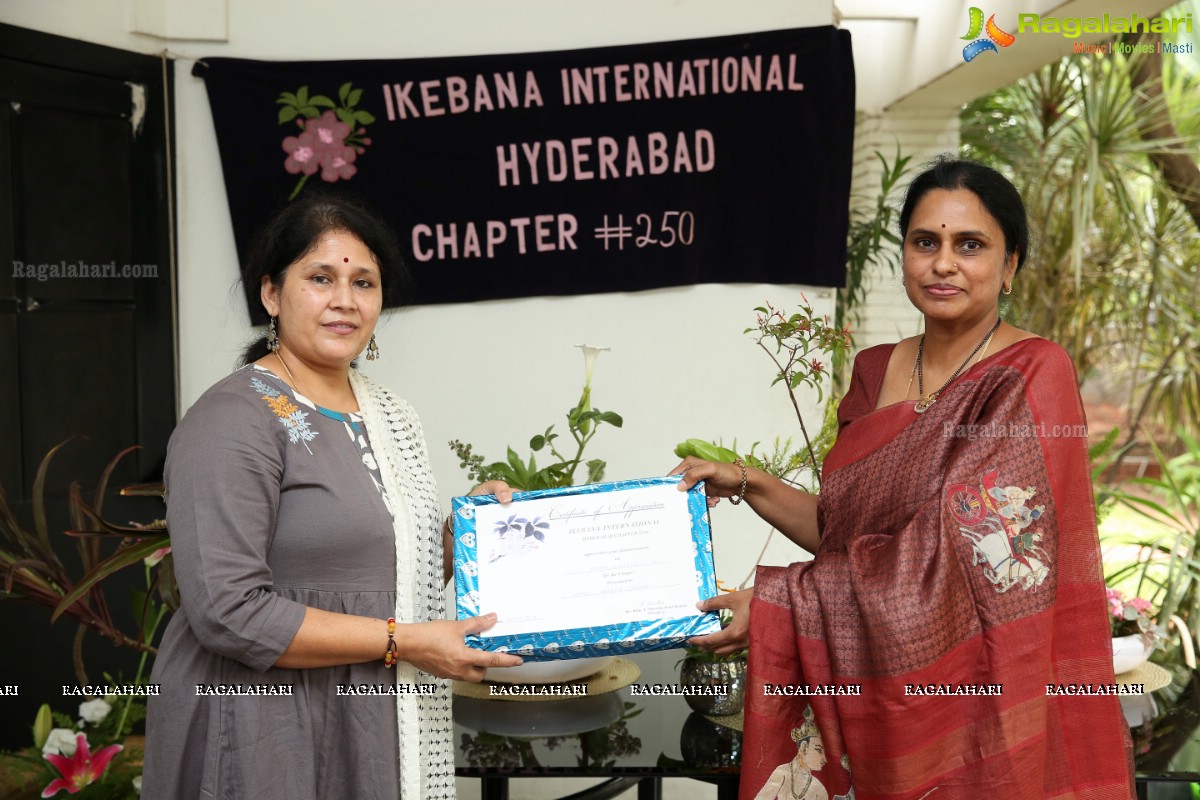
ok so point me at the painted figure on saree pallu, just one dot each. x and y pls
(995, 520)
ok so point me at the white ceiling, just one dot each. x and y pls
(909, 54)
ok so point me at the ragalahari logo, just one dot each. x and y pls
(982, 44)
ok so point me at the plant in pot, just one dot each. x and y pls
(1164, 573)
(805, 350)
(583, 423)
(800, 345)
(718, 681)
(1133, 631)
(91, 754)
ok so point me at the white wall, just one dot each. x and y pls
(680, 366)
(491, 373)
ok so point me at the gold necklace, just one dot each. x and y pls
(986, 345)
(928, 400)
(911, 375)
(807, 783)
(291, 377)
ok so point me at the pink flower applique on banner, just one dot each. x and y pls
(332, 136)
(322, 146)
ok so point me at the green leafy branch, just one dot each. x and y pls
(526, 475)
(31, 571)
(583, 422)
(871, 244)
(793, 342)
(300, 104)
(1167, 566)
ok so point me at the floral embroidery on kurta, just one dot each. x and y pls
(290, 416)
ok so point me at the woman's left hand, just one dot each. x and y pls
(501, 489)
(503, 493)
(736, 635)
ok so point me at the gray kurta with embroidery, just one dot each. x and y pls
(272, 506)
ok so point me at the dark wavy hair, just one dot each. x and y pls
(296, 231)
(996, 192)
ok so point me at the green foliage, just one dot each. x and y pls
(1166, 568)
(583, 422)
(33, 572)
(298, 104)
(793, 342)
(1113, 274)
(796, 344)
(705, 450)
(871, 239)
(1103, 455)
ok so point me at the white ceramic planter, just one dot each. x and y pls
(549, 671)
(1130, 652)
(563, 717)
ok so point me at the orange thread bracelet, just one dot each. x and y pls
(390, 656)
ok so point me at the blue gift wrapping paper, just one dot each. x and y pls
(596, 640)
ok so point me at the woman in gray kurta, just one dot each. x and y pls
(297, 531)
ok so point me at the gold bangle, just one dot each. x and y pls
(741, 495)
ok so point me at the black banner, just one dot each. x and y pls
(609, 169)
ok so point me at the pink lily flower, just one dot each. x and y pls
(81, 769)
(158, 555)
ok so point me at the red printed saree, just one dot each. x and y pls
(957, 587)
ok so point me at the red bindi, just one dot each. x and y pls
(943, 224)
(347, 261)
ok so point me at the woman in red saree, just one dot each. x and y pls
(949, 639)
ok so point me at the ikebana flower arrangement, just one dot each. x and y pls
(32, 571)
(84, 757)
(583, 422)
(801, 345)
(1131, 617)
(88, 756)
(1134, 634)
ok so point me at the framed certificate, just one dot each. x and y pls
(586, 570)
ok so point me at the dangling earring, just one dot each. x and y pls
(272, 337)
(372, 349)
(1007, 289)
